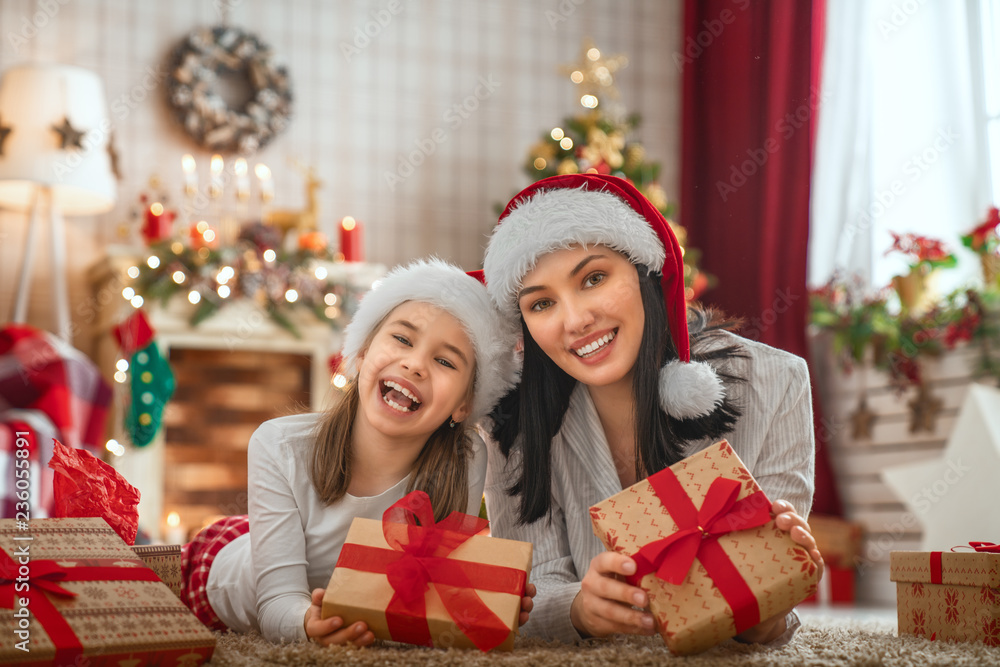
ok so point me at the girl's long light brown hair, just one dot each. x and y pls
(441, 469)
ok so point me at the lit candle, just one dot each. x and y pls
(266, 184)
(242, 180)
(190, 175)
(351, 243)
(175, 533)
(202, 235)
(215, 188)
(157, 223)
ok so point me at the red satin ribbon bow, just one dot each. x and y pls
(985, 547)
(419, 558)
(697, 536)
(44, 576)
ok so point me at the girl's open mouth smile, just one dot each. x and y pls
(398, 397)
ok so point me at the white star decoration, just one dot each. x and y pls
(954, 497)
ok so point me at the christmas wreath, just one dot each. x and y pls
(195, 67)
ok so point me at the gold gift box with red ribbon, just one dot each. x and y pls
(434, 584)
(951, 595)
(73, 593)
(708, 552)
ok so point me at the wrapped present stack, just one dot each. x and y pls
(709, 554)
(442, 584)
(840, 543)
(79, 595)
(949, 595)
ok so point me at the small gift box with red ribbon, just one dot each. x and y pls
(708, 552)
(165, 561)
(952, 595)
(73, 593)
(840, 543)
(432, 584)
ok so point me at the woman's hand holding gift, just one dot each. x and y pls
(788, 520)
(606, 605)
(526, 604)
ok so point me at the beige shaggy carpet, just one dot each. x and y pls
(820, 642)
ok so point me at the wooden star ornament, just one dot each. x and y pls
(113, 157)
(69, 136)
(862, 420)
(924, 409)
(5, 131)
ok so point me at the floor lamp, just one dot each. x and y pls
(54, 159)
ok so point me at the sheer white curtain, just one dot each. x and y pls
(901, 141)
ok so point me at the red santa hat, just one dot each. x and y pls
(575, 209)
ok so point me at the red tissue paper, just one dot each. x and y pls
(85, 486)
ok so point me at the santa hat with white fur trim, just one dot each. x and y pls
(561, 211)
(447, 287)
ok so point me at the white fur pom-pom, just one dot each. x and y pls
(690, 389)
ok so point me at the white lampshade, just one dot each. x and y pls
(35, 98)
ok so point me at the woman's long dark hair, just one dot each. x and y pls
(530, 416)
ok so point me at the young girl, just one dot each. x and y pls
(611, 392)
(430, 356)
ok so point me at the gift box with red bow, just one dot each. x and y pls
(434, 584)
(949, 595)
(708, 552)
(73, 593)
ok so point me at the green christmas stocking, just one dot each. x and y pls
(152, 380)
(152, 386)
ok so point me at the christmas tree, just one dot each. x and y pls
(601, 140)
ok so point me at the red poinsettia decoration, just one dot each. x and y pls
(904, 367)
(923, 250)
(985, 239)
(963, 329)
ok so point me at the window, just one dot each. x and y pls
(990, 23)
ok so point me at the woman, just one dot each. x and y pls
(610, 392)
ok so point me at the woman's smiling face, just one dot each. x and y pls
(583, 308)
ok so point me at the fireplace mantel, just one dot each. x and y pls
(239, 327)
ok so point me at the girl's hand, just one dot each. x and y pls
(604, 604)
(327, 631)
(788, 520)
(526, 604)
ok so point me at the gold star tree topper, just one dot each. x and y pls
(594, 74)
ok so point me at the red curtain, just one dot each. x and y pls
(751, 92)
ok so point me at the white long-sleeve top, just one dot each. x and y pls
(263, 580)
(774, 438)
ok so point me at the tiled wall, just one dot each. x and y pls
(357, 117)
